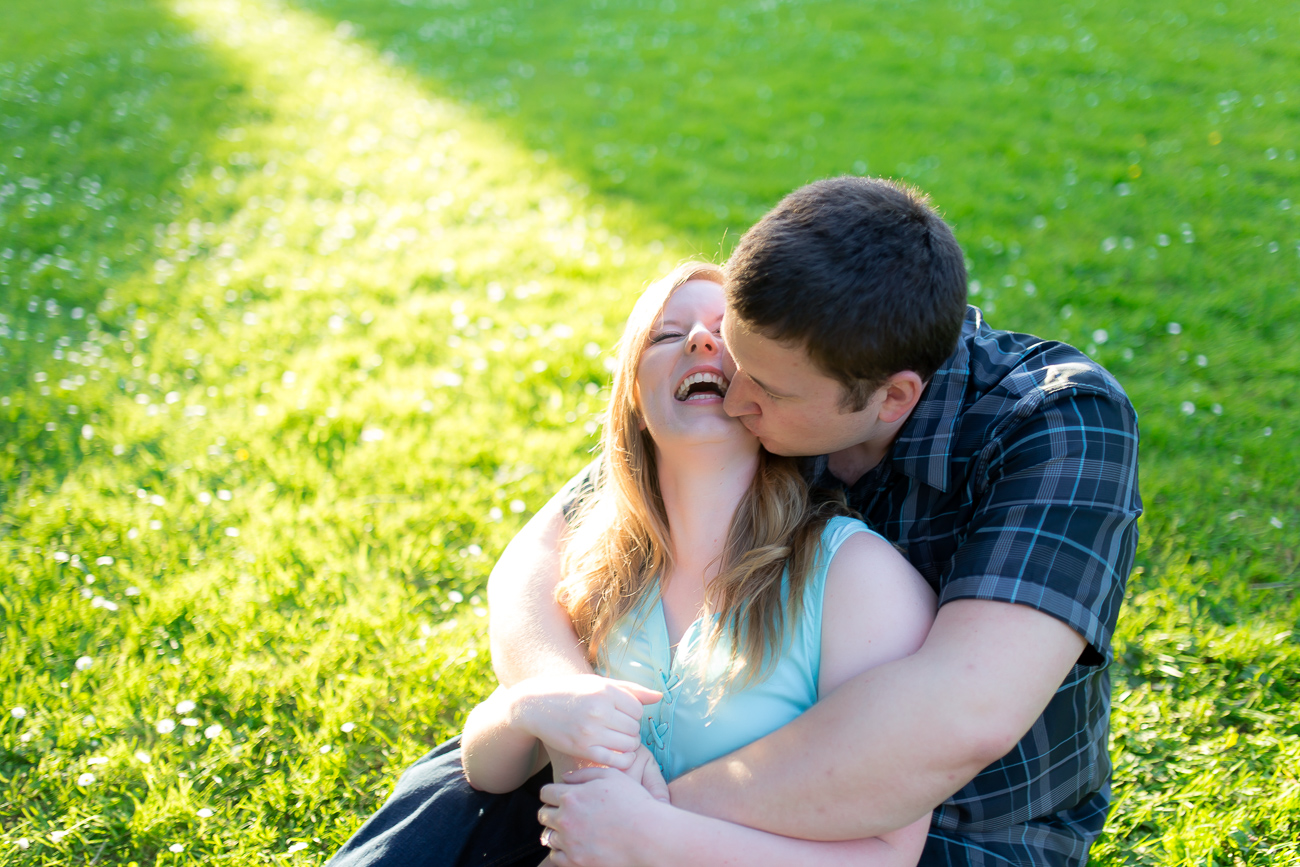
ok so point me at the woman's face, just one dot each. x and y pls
(680, 380)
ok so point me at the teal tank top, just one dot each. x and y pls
(681, 730)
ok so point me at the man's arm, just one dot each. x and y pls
(530, 633)
(890, 744)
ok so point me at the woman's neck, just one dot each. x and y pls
(702, 489)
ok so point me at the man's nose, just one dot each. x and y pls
(738, 401)
(702, 340)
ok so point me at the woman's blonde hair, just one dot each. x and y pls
(619, 542)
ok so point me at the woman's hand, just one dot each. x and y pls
(645, 771)
(586, 716)
(600, 817)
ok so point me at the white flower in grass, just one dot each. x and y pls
(142, 757)
(189, 722)
(84, 663)
(1188, 407)
(23, 842)
(97, 760)
(204, 813)
(212, 731)
(165, 726)
(178, 848)
(1276, 522)
(297, 847)
(348, 727)
(186, 706)
(86, 779)
(18, 712)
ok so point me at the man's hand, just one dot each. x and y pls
(588, 717)
(599, 818)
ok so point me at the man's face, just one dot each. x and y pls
(783, 399)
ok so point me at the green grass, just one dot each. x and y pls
(306, 307)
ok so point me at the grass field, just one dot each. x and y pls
(305, 306)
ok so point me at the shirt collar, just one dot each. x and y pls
(923, 449)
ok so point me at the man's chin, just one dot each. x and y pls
(777, 448)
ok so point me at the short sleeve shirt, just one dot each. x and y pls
(1015, 480)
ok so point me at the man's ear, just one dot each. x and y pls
(902, 391)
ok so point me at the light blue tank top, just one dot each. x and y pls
(681, 730)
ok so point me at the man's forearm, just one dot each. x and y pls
(791, 782)
(891, 744)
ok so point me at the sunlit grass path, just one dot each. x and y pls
(293, 342)
(362, 348)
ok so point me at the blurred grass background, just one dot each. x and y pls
(304, 308)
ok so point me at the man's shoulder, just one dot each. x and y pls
(1010, 372)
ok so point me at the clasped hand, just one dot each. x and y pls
(594, 720)
(591, 718)
(600, 817)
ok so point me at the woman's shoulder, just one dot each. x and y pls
(841, 528)
(876, 606)
(864, 564)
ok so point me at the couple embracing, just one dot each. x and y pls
(839, 588)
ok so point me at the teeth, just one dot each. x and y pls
(716, 378)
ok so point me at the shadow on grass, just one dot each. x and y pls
(108, 108)
(1076, 175)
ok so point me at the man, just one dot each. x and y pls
(1005, 467)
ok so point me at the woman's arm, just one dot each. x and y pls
(508, 737)
(530, 632)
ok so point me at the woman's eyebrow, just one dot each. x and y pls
(674, 323)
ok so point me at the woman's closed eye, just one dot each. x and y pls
(666, 335)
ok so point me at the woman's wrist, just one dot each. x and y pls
(521, 708)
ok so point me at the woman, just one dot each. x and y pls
(708, 588)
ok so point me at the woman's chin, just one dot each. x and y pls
(716, 434)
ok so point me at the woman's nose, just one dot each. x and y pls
(701, 339)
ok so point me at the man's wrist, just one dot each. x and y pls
(663, 841)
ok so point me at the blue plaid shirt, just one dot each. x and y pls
(1015, 480)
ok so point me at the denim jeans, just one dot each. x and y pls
(434, 819)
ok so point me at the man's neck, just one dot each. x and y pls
(850, 464)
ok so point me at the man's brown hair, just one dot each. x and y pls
(862, 272)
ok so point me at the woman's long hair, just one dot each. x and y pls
(619, 541)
